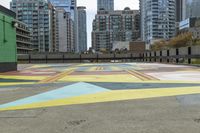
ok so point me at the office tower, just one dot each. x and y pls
(8, 52)
(35, 14)
(52, 16)
(107, 5)
(179, 10)
(158, 20)
(70, 8)
(64, 31)
(61, 22)
(82, 29)
(192, 8)
(112, 26)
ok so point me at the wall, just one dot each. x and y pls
(8, 53)
(137, 46)
(186, 55)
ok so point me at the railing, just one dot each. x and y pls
(181, 55)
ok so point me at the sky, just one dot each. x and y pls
(91, 6)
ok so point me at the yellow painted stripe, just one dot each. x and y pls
(136, 75)
(114, 68)
(92, 69)
(15, 83)
(80, 65)
(23, 77)
(102, 68)
(145, 76)
(98, 68)
(39, 66)
(112, 96)
(100, 78)
(56, 77)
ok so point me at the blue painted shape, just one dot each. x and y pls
(73, 90)
(82, 69)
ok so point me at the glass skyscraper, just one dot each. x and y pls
(107, 5)
(82, 29)
(179, 10)
(158, 19)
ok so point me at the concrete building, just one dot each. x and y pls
(23, 36)
(130, 47)
(107, 5)
(36, 15)
(70, 7)
(82, 29)
(158, 20)
(111, 26)
(61, 23)
(64, 31)
(52, 15)
(71, 35)
(120, 46)
(8, 50)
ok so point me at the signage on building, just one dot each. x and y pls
(184, 24)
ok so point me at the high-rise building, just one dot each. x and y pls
(111, 26)
(52, 14)
(82, 29)
(64, 31)
(158, 20)
(61, 17)
(179, 10)
(107, 5)
(192, 8)
(35, 14)
(70, 7)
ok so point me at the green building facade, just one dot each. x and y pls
(8, 52)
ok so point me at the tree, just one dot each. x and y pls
(181, 40)
(159, 45)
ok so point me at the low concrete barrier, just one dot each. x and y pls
(179, 55)
(175, 55)
(89, 56)
(195, 50)
(66, 58)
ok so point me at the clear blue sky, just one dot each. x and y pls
(91, 10)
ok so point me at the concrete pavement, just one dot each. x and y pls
(100, 98)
